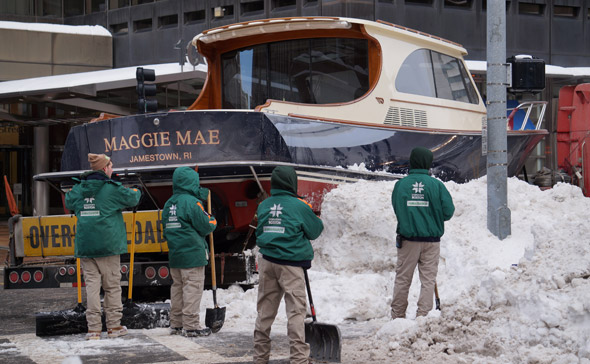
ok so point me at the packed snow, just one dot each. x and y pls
(524, 299)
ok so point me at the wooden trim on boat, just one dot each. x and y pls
(210, 97)
(398, 127)
(270, 20)
(418, 32)
(441, 106)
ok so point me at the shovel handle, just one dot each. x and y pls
(131, 258)
(79, 280)
(311, 306)
(212, 251)
(436, 298)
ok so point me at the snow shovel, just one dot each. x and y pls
(65, 322)
(144, 316)
(323, 339)
(214, 317)
(436, 298)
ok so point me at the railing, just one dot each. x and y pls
(528, 105)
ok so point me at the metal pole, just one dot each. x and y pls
(40, 165)
(498, 211)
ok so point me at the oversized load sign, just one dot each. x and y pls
(44, 236)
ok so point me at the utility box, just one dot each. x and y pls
(528, 74)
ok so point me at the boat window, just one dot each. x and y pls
(415, 75)
(312, 71)
(433, 74)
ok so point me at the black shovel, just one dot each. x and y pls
(64, 322)
(214, 317)
(145, 315)
(324, 340)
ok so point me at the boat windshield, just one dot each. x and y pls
(310, 71)
(429, 73)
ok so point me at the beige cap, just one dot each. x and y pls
(98, 161)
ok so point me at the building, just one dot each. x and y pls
(149, 32)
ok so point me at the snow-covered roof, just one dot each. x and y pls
(96, 30)
(550, 70)
(91, 82)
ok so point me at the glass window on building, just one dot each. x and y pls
(312, 71)
(95, 6)
(433, 74)
(49, 8)
(16, 7)
(116, 4)
(73, 8)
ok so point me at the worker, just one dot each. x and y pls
(101, 238)
(286, 224)
(186, 224)
(421, 204)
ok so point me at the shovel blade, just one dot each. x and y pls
(324, 341)
(64, 322)
(145, 315)
(214, 318)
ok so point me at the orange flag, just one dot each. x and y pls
(10, 198)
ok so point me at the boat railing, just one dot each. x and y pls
(528, 106)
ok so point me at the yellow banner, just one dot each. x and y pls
(55, 235)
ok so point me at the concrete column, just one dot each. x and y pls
(41, 165)
(497, 156)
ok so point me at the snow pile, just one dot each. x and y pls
(525, 299)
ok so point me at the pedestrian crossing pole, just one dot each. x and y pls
(497, 144)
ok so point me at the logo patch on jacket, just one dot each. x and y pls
(172, 224)
(275, 212)
(417, 197)
(89, 208)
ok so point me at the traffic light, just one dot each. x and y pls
(146, 89)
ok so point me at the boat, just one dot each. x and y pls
(339, 99)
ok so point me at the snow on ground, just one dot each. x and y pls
(525, 299)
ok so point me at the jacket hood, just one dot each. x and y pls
(421, 158)
(186, 180)
(284, 178)
(92, 182)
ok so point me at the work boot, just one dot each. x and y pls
(194, 333)
(93, 335)
(117, 331)
(176, 331)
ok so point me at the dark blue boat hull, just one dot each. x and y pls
(196, 137)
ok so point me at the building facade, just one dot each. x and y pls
(147, 31)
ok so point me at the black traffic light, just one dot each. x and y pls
(528, 74)
(145, 105)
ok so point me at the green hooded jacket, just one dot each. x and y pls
(98, 202)
(286, 223)
(421, 203)
(186, 222)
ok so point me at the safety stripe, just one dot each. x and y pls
(305, 202)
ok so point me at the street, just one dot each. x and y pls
(20, 345)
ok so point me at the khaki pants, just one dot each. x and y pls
(275, 282)
(185, 297)
(426, 256)
(105, 272)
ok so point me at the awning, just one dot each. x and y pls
(81, 89)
